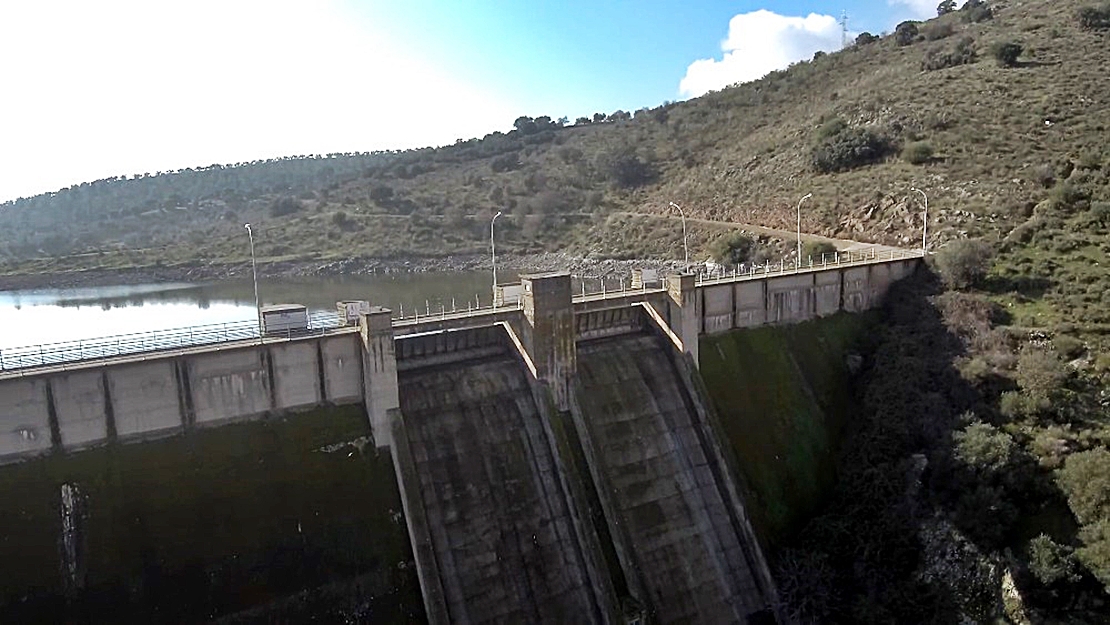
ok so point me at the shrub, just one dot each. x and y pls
(918, 152)
(733, 249)
(946, 7)
(817, 249)
(1040, 372)
(963, 263)
(849, 148)
(505, 162)
(1050, 561)
(962, 53)
(285, 206)
(1094, 17)
(865, 38)
(626, 169)
(831, 128)
(984, 447)
(905, 33)
(976, 11)
(1095, 552)
(1006, 52)
(1085, 480)
(937, 30)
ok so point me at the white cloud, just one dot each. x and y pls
(920, 9)
(95, 89)
(760, 42)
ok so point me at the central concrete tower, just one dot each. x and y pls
(549, 314)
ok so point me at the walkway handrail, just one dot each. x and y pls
(13, 358)
(322, 322)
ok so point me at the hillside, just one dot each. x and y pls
(989, 140)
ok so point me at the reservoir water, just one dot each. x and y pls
(39, 316)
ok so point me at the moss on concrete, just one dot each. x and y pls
(212, 522)
(783, 394)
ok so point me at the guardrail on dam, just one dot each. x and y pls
(557, 461)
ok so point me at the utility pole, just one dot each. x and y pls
(843, 29)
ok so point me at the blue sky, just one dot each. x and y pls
(116, 87)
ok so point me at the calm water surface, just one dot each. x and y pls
(53, 315)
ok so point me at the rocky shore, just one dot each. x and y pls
(212, 272)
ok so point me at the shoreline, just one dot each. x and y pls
(191, 273)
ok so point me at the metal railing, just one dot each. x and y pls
(321, 322)
(834, 259)
(70, 352)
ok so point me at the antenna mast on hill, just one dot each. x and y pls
(843, 29)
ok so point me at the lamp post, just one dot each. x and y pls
(924, 221)
(685, 248)
(254, 274)
(493, 250)
(804, 198)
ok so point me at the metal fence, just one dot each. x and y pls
(154, 341)
(835, 259)
(322, 322)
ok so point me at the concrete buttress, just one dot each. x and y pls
(685, 315)
(379, 372)
(549, 314)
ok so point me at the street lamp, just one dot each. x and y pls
(254, 274)
(804, 198)
(684, 246)
(493, 250)
(924, 221)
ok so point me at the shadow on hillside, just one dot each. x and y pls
(1021, 64)
(912, 531)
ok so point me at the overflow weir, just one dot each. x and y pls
(555, 462)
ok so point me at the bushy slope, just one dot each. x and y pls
(999, 136)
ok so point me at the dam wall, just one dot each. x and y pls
(217, 522)
(680, 535)
(93, 404)
(503, 534)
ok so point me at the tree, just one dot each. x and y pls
(975, 11)
(906, 33)
(526, 125)
(964, 262)
(1085, 480)
(1006, 53)
(1050, 561)
(946, 7)
(865, 38)
(581, 121)
(733, 249)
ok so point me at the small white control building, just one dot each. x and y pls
(284, 319)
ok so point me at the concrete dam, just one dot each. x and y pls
(555, 462)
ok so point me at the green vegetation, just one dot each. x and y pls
(964, 263)
(961, 53)
(783, 396)
(847, 148)
(918, 152)
(1006, 53)
(1094, 17)
(733, 249)
(213, 522)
